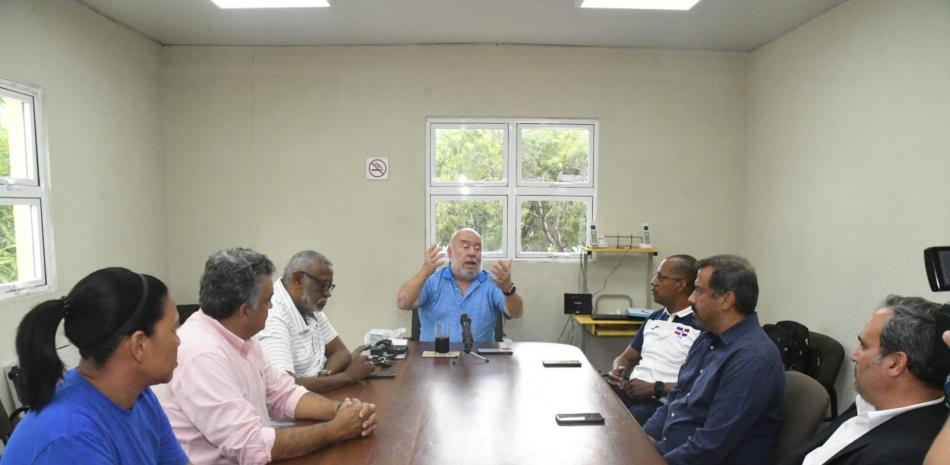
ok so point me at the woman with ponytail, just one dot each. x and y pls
(103, 411)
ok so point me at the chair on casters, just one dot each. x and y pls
(806, 401)
(825, 356)
(414, 335)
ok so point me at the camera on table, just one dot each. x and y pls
(384, 352)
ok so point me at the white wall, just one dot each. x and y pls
(848, 157)
(102, 103)
(265, 148)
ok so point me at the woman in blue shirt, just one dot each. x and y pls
(103, 411)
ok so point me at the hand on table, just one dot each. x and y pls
(355, 418)
(359, 366)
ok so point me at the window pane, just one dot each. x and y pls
(15, 143)
(555, 155)
(484, 216)
(18, 243)
(469, 155)
(553, 226)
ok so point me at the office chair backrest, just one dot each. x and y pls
(414, 334)
(806, 402)
(8, 422)
(825, 356)
(185, 311)
(6, 426)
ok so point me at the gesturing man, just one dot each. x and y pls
(461, 287)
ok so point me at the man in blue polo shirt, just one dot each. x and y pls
(443, 295)
(727, 404)
(660, 346)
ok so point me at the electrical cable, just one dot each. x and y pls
(624, 257)
(566, 322)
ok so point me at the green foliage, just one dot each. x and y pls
(484, 216)
(477, 154)
(553, 226)
(8, 266)
(4, 143)
(548, 152)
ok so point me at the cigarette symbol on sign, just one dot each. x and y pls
(377, 168)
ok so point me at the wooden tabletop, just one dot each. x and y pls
(446, 411)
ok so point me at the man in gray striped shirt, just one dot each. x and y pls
(298, 338)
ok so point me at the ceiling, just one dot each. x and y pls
(737, 25)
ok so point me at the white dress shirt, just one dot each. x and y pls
(866, 419)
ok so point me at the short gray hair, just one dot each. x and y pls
(303, 260)
(911, 330)
(232, 277)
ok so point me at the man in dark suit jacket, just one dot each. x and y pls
(899, 408)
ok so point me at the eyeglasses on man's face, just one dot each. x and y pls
(325, 286)
(660, 277)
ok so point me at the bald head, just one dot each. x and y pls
(465, 254)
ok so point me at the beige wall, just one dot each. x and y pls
(265, 148)
(821, 156)
(848, 162)
(102, 86)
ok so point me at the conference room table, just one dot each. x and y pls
(465, 411)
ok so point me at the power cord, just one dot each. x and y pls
(622, 258)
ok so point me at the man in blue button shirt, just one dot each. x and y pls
(727, 405)
(443, 295)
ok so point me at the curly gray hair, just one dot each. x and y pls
(232, 277)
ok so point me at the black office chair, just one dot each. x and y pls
(185, 311)
(8, 422)
(499, 327)
(825, 356)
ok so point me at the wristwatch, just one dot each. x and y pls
(659, 390)
(510, 292)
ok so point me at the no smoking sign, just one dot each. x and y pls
(377, 168)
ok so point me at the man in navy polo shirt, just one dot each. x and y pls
(727, 404)
(661, 344)
(443, 295)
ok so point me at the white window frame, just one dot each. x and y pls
(590, 151)
(504, 221)
(512, 187)
(32, 191)
(589, 200)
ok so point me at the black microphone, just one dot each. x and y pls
(466, 323)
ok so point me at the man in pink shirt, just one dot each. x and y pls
(224, 392)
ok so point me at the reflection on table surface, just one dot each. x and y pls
(461, 411)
